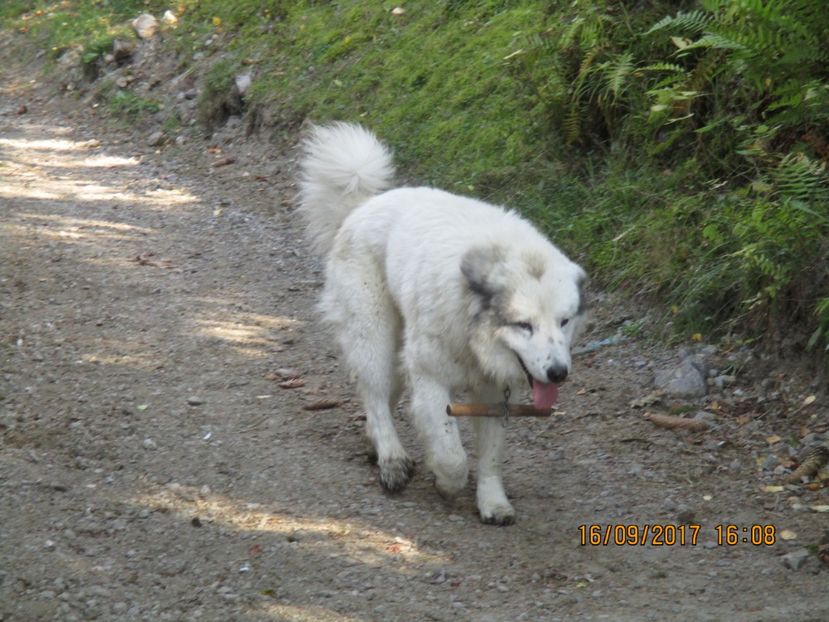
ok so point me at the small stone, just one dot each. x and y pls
(145, 25)
(156, 139)
(795, 559)
(686, 516)
(194, 401)
(686, 380)
(122, 51)
(150, 444)
(122, 82)
(243, 82)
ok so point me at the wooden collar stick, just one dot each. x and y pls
(495, 410)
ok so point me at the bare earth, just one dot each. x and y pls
(152, 468)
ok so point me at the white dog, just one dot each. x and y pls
(443, 291)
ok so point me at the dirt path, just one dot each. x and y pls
(151, 468)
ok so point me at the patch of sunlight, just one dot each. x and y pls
(304, 613)
(64, 227)
(86, 223)
(22, 192)
(133, 361)
(49, 144)
(372, 547)
(106, 161)
(69, 190)
(245, 333)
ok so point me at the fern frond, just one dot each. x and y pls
(692, 22)
(715, 41)
(618, 72)
(663, 67)
(799, 177)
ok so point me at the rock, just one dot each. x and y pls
(169, 18)
(156, 139)
(686, 380)
(795, 559)
(150, 444)
(122, 51)
(22, 109)
(145, 25)
(71, 58)
(686, 516)
(194, 401)
(243, 82)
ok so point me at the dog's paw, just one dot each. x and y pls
(450, 487)
(501, 514)
(395, 473)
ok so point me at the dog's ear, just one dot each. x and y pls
(478, 267)
(581, 282)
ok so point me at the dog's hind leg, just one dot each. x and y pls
(368, 328)
(493, 506)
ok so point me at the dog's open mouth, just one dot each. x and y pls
(545, 394)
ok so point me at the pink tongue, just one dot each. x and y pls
(544, 395)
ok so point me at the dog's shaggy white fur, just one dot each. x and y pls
(441, 291)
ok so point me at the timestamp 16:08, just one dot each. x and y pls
(658, 534)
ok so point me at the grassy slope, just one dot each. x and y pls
(471, 101)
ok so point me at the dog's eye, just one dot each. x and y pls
(524, 326)
(564, 322)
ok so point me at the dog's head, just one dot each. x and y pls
(526, 307)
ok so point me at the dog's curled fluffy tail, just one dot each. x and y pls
(343, 166)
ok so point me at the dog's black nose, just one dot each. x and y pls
(557, 373)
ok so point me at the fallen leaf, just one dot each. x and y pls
(673, 423)
(142, 407)
(696, 337)
(771, 440)
(773, 488)
(283, 373)
(809, 400)
(223, 162)
(819, 508)
(707, 497)
(293, 383)
(788, 534)
(322, 405)
(647, 400)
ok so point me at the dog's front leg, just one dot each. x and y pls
(493, 506)
(444, 452)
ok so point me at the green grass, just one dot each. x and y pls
(679, 156)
